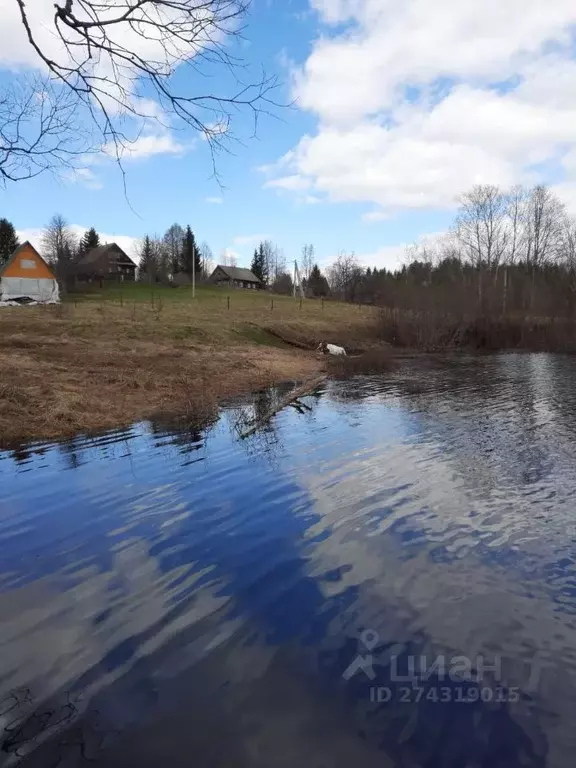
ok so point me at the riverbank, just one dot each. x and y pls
(109, 360)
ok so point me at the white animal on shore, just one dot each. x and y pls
(331, 349)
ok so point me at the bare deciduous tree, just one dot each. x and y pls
(39, 130)
(545, 215)
(308, 256)
(270, 255)
(228, 258)
(481, 225)
(173, 238)
(344, 276)
(516, 215)
(59, 246)
(113, 56)
(207, 259)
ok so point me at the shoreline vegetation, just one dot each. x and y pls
(132, 352)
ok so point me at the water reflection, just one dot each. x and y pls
(179, 596)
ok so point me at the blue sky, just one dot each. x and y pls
(399, 108)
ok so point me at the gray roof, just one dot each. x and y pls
(239, 273)
(94, 254)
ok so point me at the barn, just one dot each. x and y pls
(234, 277)
(26, 276)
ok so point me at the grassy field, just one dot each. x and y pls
(106, 358)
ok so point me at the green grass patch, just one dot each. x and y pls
(256, 335)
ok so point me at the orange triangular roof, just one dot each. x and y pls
(27, 246)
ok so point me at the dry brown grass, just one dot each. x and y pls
(98, 364)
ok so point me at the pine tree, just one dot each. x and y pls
(90, 239)
(256, 266)
(191, 257)
(147, 266)
(317, 284)
(8, 240)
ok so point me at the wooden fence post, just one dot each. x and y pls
(228, 302)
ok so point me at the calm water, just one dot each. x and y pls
(185, 598)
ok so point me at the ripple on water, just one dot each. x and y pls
(171, 595)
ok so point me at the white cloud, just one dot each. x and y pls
(294, 183)
(146, 146)
(229, 256)
(310, 200)
(214, 200)
(128, 243)
(84, 176)
(418, 100)
(117, 85)
(249, 239)
(392, 257)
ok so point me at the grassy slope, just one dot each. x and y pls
(110, 357)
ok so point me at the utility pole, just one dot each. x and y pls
(297, 279)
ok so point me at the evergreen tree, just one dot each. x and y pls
(256, 267)
(147, 266)
(264, 259)
(90, 239)
(8, 240)
(191, 256)
(317, 283)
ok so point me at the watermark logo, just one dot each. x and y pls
(369, 640)
(440, 678)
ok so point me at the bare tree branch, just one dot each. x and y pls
(39, 130)
(114, 54)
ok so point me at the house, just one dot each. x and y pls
(27, 276)
(106, 262)
(235, 277)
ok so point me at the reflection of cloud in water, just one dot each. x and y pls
(443, 538)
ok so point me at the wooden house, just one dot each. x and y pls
(235, 277)
(106, 262)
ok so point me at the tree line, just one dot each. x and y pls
(507, 251)
(174, 256)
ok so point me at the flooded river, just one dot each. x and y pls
(383, 577)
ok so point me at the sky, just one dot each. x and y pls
(395, 109)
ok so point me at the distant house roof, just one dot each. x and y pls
(95, 254)
(239, 273)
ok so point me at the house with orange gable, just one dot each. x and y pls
(26, 276)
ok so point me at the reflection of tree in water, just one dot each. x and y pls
(71, 451)
(242, 416)
(21, 454)
(186, 436)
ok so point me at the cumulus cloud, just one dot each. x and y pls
(214, 200)
(117, 85)
(416, 101)
(146, 146)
